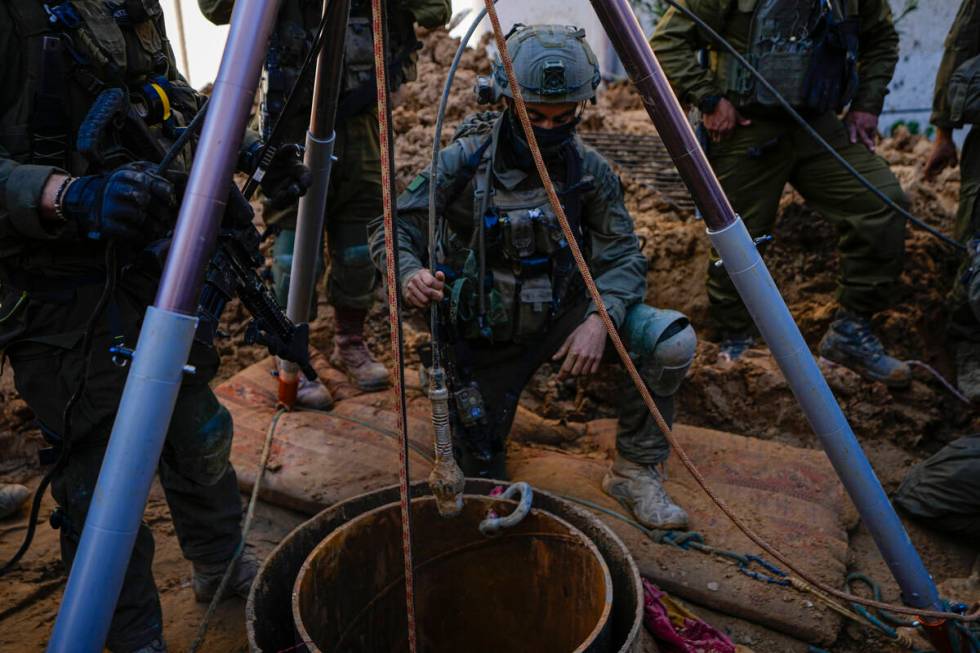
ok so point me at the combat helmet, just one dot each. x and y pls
(553, 64)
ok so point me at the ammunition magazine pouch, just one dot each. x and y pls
(528, 262)
(964, 93)
(811, 63)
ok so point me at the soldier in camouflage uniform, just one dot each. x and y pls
(63, 198)
(948, 114)
(822, 56)
(512, 296)
(355, 184)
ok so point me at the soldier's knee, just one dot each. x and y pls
(664, 343)
(672, 357)
(356, 256)
(201, 456)
(352, 275)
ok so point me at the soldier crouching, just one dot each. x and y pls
(511, 295)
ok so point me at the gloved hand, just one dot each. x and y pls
(286, 178)
(131, 203)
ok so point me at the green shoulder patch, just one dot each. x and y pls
(417, 183)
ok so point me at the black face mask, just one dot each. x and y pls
(552, 138)
(549, 140)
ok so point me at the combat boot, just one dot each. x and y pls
(640, 488)
(850, 342)
(313, 394)
(207, 577)
(968, 369)
(12, 497)
(733, 345)
(351, 355)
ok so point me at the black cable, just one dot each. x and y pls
(108, 290)
(918, 222)
(184, 137)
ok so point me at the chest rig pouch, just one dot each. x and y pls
(76, 50)
(964, 93)
(522, 244)
(807, 50)
(358, 54)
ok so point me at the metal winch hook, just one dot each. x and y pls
(493, 524)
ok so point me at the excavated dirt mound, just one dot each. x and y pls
(898, 428)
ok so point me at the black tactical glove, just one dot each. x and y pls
(286, 178)
(131, 203)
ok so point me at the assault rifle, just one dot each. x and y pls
(232, 272)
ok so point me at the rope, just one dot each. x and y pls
(202, 630)
(422, 451)
(380, 32)
(939, 377)
(634, 373)
(692, 540)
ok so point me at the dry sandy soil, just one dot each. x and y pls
(897, 428)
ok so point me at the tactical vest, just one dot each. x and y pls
(72, 52)
(807, 50)
(529, 269)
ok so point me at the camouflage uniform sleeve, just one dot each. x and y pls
(877, 56)
(20, 197)
(413, 216)
(676, 42)
(962, 43)
(615, 260)
(217, 11)
(20, 184)
(427, 13)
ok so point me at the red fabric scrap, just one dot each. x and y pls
(691, 635)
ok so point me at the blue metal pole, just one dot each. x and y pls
(164, 344)
(751, 277)
(755, 285)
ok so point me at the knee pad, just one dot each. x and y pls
(672, 357)
(663, 343)
(282, 252)
(356, 256)
(200, 457)
(353, 277)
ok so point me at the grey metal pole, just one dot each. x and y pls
(159, 361)
(320, 139)
(182, 39)
(766, 305)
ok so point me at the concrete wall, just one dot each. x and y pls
(922, 33)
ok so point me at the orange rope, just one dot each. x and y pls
(394, 307)
(631, 368)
